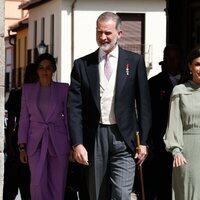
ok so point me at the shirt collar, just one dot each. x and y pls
(113, 53)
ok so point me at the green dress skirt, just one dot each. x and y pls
(183, 137)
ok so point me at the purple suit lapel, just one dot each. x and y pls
(52, 101)
(34, 93)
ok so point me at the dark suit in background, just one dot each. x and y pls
(16, 174)
(110, 147)
(158, 165)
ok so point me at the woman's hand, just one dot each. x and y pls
(179, 160)
(22, 154)
(71, 156)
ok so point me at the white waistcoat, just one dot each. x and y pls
(107, 97)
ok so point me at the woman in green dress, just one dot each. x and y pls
(182, 136)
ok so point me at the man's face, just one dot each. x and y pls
(172, 60)
(107, 35)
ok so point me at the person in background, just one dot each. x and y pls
(16, 174)
(43, 132)
(182, 138)
(102, 115)
(158, 165)
(72, 186)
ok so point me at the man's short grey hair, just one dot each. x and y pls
(110, 15)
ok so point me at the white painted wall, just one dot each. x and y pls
(36, 14)
(156, 36)
(65, 42)
(62, 34)
(85, 15)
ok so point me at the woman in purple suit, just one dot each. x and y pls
(43, 132)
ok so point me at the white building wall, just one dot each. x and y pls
(66, 41)
(156, 36)
(85, 15)
(36, 14)
(62, 34)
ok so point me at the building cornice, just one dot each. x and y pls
(32, 4)
(20, 25)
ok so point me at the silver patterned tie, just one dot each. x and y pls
(107, 67)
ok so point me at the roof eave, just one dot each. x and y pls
(32, 4)
(19, 25)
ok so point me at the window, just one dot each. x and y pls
(52, 35)
(25, 50)
(43, 29)
(19, 52)
(133, 32)
(35, 53)
(35, 34)
(133, 27)
(7, 81)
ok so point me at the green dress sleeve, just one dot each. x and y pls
(173, 137)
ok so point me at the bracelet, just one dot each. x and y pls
(21, 148)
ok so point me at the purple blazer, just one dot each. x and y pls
(49, 132)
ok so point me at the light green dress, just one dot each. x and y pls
(183, 137)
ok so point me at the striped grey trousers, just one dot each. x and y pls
(111, 166)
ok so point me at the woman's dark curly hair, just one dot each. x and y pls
(46, 56)
(194, 53)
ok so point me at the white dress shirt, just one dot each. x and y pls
(107, 88)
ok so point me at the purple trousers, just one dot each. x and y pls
(49, 183)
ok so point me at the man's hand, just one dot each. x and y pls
(179, 160)
(80, 154)
(141, 154)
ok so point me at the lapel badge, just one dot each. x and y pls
(162, 94)
(127, 69)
